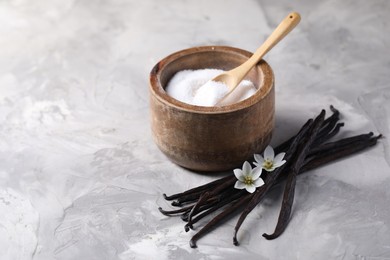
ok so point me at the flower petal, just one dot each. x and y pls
(239, 185)
(256, 172)
(270, 169)
(259, 159)
(246, 168)
(278, 164)
(250, 188)
(260, 168)
(269, 153)
(238, 174)
(279, 157)
(259, 182)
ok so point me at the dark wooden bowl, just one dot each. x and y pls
(211, 138)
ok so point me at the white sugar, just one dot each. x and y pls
(210, 93)
(196, 88)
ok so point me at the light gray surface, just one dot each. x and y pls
(80, 177)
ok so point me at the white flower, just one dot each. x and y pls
(270, 162)
(248, 178)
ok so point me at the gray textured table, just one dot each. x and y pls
(80, 177)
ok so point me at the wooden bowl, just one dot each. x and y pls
(211, 138)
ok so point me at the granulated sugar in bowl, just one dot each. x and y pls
(195, 87)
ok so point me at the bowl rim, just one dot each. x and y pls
(158, 91)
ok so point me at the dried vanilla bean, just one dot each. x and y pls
(203, 198)
(187, 199)
(298, 162)
(326, 127)
(214, 208)
(220, 195)
(321, 139)
(335, 116)
(212, 202)
(324, 148)
(340, 152)
(176, 211)
(221, 216)
(197, 189)
(270, 179)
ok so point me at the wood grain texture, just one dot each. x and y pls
(211, 138)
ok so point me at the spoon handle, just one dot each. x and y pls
(284, 28)
(278, 34)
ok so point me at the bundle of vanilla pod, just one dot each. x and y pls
(308, 149)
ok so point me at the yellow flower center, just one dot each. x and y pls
(248, 180)
(268, 164)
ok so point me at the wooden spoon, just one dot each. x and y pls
(233, 77)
